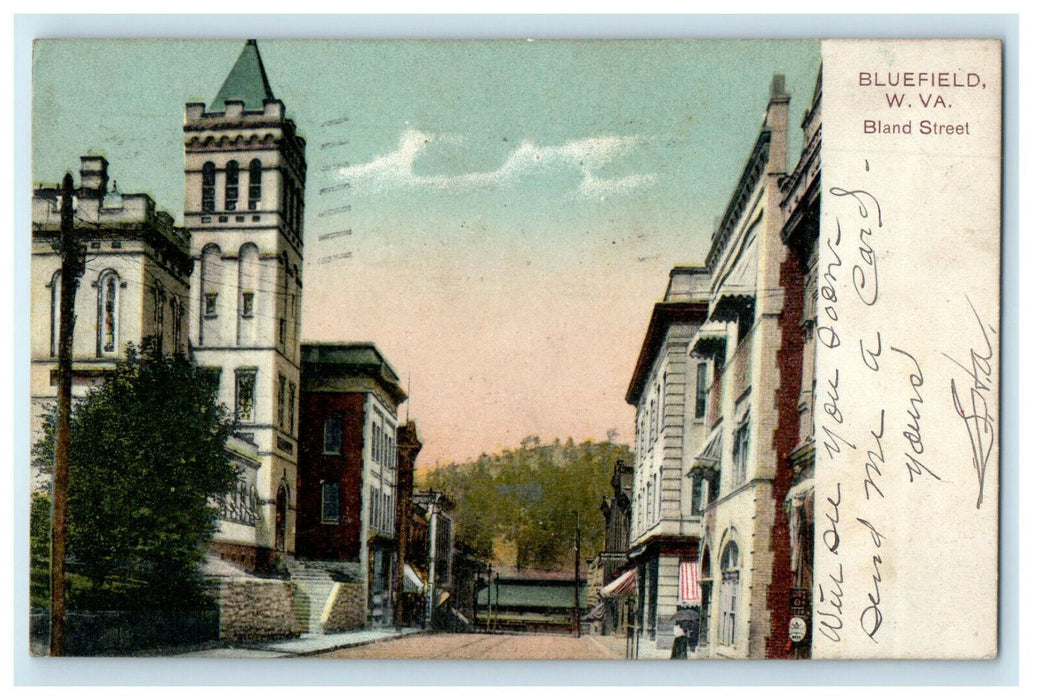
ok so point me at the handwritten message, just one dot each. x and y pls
(907, 347)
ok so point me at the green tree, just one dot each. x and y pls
(531, 497)
(147, 461)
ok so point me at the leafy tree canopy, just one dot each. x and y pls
(523, 501)
(147, 460)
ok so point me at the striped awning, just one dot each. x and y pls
(689, 585)
(623, 585)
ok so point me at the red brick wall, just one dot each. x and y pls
(786, 438)
(314, 539)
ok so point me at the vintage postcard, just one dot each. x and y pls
(628, 349)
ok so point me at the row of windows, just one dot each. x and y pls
(384, 446)
(249, 276)
(231, 181)
(108, 305)
(380, 510)
(245, 398)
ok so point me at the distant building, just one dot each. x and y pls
(244, 175)
(348, 465)
(617, 511)
(135, 283)
(407, 584)
(667, 390)
(530, 601)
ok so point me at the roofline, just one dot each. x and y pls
(665, 314)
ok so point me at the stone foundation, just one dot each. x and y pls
(257, 609)
(346, 609)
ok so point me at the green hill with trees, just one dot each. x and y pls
(520, 506)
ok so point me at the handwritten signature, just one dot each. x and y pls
(979, 422)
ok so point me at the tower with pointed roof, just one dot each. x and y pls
(244, 173)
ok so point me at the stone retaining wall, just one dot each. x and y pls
(257, 609)
(346, 609)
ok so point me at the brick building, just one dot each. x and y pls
(347, 483)
(801, 233)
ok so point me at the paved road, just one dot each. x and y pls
(480, 646)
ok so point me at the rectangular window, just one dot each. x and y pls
(375, 441)
(330, 502)
(741, 447)
(373, 505)
(281, 331)
(292, 407)
(247, 304)
(209, 305)
(333, 443)
(701, 401)
(281, 400)
(245, 395)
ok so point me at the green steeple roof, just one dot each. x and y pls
(247, 82)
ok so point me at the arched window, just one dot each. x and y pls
(231, 186)
(108, 313)
(730, 593)
(209, 186)
(55, 312)
(254, 183)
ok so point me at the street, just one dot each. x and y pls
(481, 646)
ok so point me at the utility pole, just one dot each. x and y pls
(432, 569)
(487, 621)
(577, 574)
(71, 269)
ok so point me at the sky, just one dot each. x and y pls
(498, 217)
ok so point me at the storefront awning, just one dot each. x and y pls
(689, 585)
(623, 585)
(413, 583)
(711, 455)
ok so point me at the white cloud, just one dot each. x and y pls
(397, 169)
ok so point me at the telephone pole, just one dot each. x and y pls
(72, 261)
(577, 574)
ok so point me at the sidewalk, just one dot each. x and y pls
(305, 645)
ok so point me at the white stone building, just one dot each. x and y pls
(245, 170)
(134, 284)
(670, 424)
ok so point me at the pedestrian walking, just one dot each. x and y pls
(679, 645)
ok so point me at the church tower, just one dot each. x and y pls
(244, 172)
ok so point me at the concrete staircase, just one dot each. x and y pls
(312, 586)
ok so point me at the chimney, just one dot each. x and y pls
(93, 175)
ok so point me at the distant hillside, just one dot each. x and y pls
(518, 506)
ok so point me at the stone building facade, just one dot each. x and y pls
(134, 286)
(665, 529)
(244, 173)
(732, 403)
